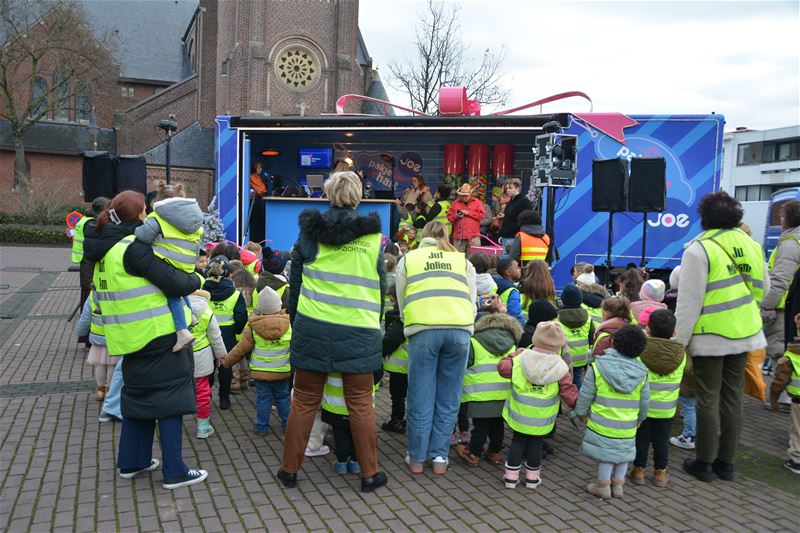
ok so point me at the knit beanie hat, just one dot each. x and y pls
(571, 296)
(652, 290)
(548, 337)
(202, 294)
(219, 267)
(274, 261)
(269, 302)
(674, 277)
(541, 310)
(587, 278)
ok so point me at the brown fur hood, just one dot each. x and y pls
(662, 356)
(269, 327)
(500, 321)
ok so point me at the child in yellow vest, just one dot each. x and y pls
(665, 360)
(539, 376)
(787, 377)
(267, 335)
(174, 229)
(395, 362)
(614, 397)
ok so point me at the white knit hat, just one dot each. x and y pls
(269, 302)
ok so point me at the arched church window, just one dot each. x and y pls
(39, 97)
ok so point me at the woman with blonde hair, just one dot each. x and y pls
(436, 294)
(537, 284)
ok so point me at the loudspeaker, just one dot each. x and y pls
(647, 186)
(608, 185)
(98, 175)
(131, 173)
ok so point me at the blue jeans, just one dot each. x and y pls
(111, 404)
(266, 393)
(689, 415)
(136, 445)
(437, 360)
(577, 375)
(175, 304)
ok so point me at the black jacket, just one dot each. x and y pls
(792, 308)
(393, 335)
(268, 279)
(329, 346)
(96, 245)
(220, 290)
(517, 205)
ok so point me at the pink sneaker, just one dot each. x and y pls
(453, 440)
(464, 437)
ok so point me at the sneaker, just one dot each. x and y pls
(394, 426)
(340, 467)
(353, 467)
(463, 451)
(413, 466)
(184, 338)
(322, 450)
(260, 431)
(792, 466)
(440, 465)
(681, 441)
(105, 417)
(192, 477)
(205, 432)
(128, 473)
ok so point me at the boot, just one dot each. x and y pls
(184, 339)
(616, 488)
(532, 477)
(511, 476)
(204, 428)
(699, 469)
(99, 393)
(723, 470)
(600, 488)
(661, 478)
(244, 378)
(236, 381)
(637, 475)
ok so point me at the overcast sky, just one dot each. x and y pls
(740, 59)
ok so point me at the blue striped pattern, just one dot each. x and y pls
(226, 186)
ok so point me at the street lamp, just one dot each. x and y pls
(168, 125)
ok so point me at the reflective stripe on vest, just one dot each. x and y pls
(596, 314)
(531, 409)
(482, 382)
(578, 342)
(200, 330)
(614, 414)
(664, 389)
(793, 387)
(730, 306)
(771, 264)
(134, 310)
(178, 248)
(223, 309)
(77, 240)
(397, 361)
(96, 327)
(353, 298)
(271, 355)
(333, 395)
(533, 248)
(437, 293)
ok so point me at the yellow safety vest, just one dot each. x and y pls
(176, 247)
(442, 216)
(333, 394)
(602, 335)
(134, 310)
(96, 327)
(271, 356)
(437, 293)
(397, 361)
(341, 285)
(200, 330)
(530, 409)
(614, 414)
(771, 264)
(664, 389)
(731, 305)
(77, 240)
(793, 387)
(223, 309)
(578, 342)
(595, 313)
(482, 382)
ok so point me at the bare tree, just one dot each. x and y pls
(48, 57)
(442, 60)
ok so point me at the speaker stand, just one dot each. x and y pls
(610, 239)
(552, 252)
(644, 239)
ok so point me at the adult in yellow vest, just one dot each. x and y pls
(530, 243)
(719, 321)
(613, 401)
(337, 285)
(436, 295)
(85, 235)
(132, 284)
(784, 263)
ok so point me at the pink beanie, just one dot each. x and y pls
(652, 290)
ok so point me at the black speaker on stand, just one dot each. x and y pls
(647, 191)
(131, 173)
(98, 175)
(609, 185)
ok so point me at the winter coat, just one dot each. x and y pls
(204, 359)
(86, 268)
(535, 230)
(485, 284)
(612, 325)
(624, 375)
(183, 213)
(498, 334)
(593, 294)
(222, 290)
(85, 323)
(543, 368)
(693, 281)
(514, 207)
(662, 356)
(268, 327)
(792, 309)
(639, 306)
(393, 335)
(400, 284)
(322, 346)
(514, 305)
(96, 245)
(787, 259)
(268, 279)
(468, 226)
(781, 378)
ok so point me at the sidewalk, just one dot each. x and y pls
(57, 462)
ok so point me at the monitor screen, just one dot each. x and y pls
(316, 157)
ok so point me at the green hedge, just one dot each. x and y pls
(37, 216)
(34, 234)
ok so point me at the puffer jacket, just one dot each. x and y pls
(497, 333)
(611, 326)
(624, 374)
(543, 368)
(268, 327)
(593, 294)
(204, 358)
(221, 290)
(322, 346)
(662, 356)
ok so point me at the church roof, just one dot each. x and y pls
(376, 90)
(59, 138)
(192, 147)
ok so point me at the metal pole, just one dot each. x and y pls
(169, 137)
(644, 238)
(610, 238)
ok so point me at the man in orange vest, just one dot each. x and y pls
(531, 242)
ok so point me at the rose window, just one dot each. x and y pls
(297, 67)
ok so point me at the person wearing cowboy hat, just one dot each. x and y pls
(466, 215)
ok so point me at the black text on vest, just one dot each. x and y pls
(433, 264)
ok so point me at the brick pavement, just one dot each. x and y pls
(57, 462)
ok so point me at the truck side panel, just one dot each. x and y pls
(227, 186)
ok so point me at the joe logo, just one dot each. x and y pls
(668, 220)
(408, 164)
